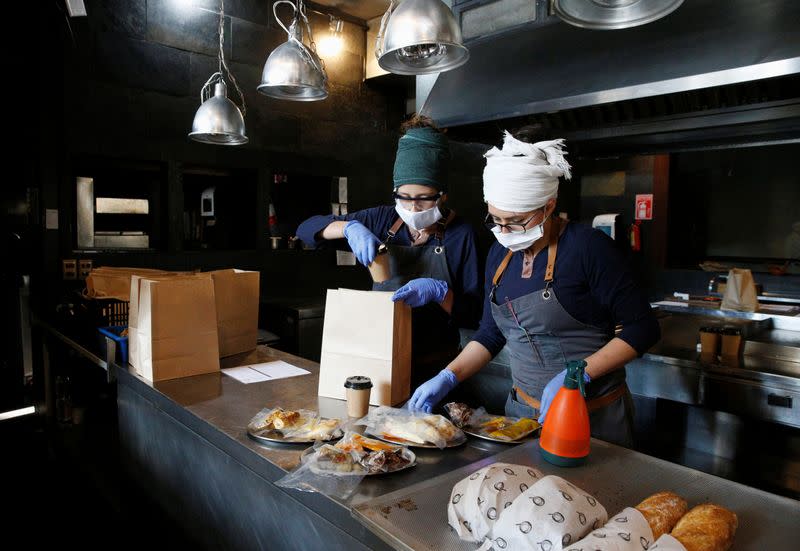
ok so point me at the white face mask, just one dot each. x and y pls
(419, 220)
(520, 240)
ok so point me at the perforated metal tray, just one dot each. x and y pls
(415, 518)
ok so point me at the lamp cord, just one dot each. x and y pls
(221, 57)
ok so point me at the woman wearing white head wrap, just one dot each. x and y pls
(557, 306)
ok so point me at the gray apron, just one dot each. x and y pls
(434, 339)
(541, 336)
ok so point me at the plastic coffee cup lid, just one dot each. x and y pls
(358, 382)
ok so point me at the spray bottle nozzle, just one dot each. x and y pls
(574, 377)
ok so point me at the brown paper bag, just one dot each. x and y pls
(113, 282)
(172, 330)
(236, 293)
(365, 333)
(740, 292)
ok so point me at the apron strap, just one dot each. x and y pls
(592, 405)
(552, 250)
(394, 229)
(441, 225)
(502, 268)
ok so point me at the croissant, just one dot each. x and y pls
(662, 511)
(707, 527)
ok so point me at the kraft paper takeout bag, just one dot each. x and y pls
(365, 333)
(740, 292)
(172, 329)
(236, 293)
(113, 282)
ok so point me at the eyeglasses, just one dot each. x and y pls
(489, 222)
(421, 201)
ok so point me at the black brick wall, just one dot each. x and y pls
(125, 83)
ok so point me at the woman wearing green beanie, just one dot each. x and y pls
(433, 255)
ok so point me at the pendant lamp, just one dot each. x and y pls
(218, 120)
(418, 37)
(294, 71)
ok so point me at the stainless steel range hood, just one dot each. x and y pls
(551, 66)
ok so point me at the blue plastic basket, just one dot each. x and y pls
(113, 332)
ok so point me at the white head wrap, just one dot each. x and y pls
(521, 176)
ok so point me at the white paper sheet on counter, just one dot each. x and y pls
(279, 370)
(245, 375)
(268, 371)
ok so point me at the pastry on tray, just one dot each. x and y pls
(382, 461)
(662, 512)
(281, 419)
(356, 454)
(706, 527)
(515, 431)
(459, 413)
(332, 459)
(420, 430)
(317, 429)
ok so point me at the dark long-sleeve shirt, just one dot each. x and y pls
(592, 282)
(460, 250)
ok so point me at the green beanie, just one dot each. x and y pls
(422, 158)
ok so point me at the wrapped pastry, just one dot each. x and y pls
(477, 501)
(495, 423)
(626, 531)
(662, 511)
(445, 428)
(518, 430)
(383, 461)
(331, 459)
(281, 419)
(459, 413)
(316, 429)
(358, 443)
(706, 527)
(551, 514)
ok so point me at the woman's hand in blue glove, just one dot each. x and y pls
(362, 241)
(431, 392)
(421, 291)
(550, 391)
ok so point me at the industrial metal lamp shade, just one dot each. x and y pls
(422, 37)
(293, 72)
(218, 121)
(613, 14)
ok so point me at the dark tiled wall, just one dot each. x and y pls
(129, 88)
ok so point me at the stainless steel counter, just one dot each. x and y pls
(227, 405)
(187, 439)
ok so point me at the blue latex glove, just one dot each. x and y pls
(362, 241)
(431, 392)
(551, 389)
(421, 291)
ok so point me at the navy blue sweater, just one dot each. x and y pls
(459, 243)
(592, 282)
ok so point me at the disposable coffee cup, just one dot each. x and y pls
(731, 342)
(380, 269)
(709, 341)
(357, 389)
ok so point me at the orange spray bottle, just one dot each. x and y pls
(565, 434)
